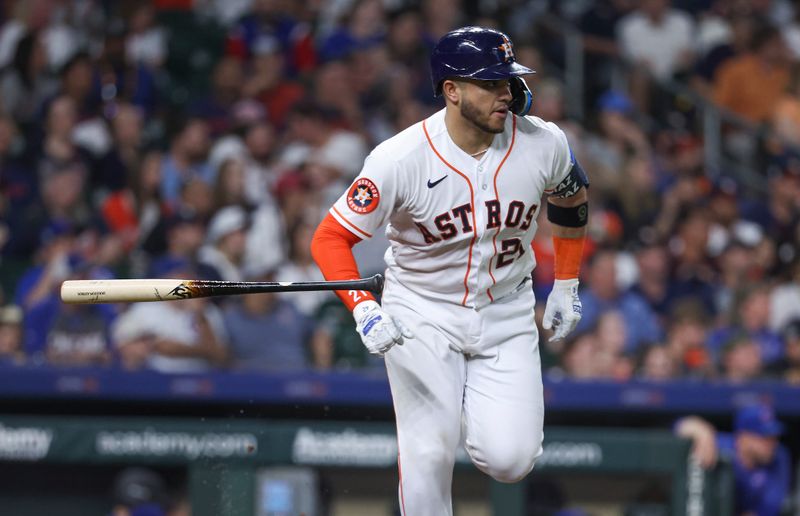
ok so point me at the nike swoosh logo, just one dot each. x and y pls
(431, 185)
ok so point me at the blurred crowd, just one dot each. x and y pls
(207, 138)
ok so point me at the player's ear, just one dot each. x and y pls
(451, 90)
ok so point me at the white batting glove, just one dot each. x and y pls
(563, 310)
(379, 331)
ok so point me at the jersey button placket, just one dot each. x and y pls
(480, 248)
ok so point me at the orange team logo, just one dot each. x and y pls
(363, 196)
(506, 47)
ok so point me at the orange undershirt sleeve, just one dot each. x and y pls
(568, 253)
(332, 249)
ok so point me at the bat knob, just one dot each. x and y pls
(377, 284)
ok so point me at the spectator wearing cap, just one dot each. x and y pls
(226, 243)
(761, 464)
(363, 26)
(180, 337)
(619, 138)
(63, 333)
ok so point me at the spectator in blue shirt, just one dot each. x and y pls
(62, 333)
(751, 318)
(604, 295)
(269, 333)
(186, 160)
(761, 464)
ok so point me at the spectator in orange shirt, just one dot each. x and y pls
(751, 85)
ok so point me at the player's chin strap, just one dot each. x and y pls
(521, 96)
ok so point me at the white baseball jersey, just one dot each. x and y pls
(460, 228)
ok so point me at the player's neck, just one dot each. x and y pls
(466, 135)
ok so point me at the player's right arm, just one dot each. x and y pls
(364, 208)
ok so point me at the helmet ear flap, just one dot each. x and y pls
(521, 96)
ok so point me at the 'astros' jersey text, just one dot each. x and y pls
(460, 228)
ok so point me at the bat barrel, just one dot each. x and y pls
(119, 290)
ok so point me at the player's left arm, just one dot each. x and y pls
(568, 213)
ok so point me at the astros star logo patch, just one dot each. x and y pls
(363, 196)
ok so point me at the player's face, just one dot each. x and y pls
(485, 103)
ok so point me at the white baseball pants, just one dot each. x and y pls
(478, 369)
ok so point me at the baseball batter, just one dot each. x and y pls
(460, 192)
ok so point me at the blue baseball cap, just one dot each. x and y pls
(616, 102)
(758, 419)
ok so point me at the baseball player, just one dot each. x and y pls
(461, 191)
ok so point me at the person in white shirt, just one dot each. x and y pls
(657, 37)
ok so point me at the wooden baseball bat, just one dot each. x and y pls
(138, 290)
